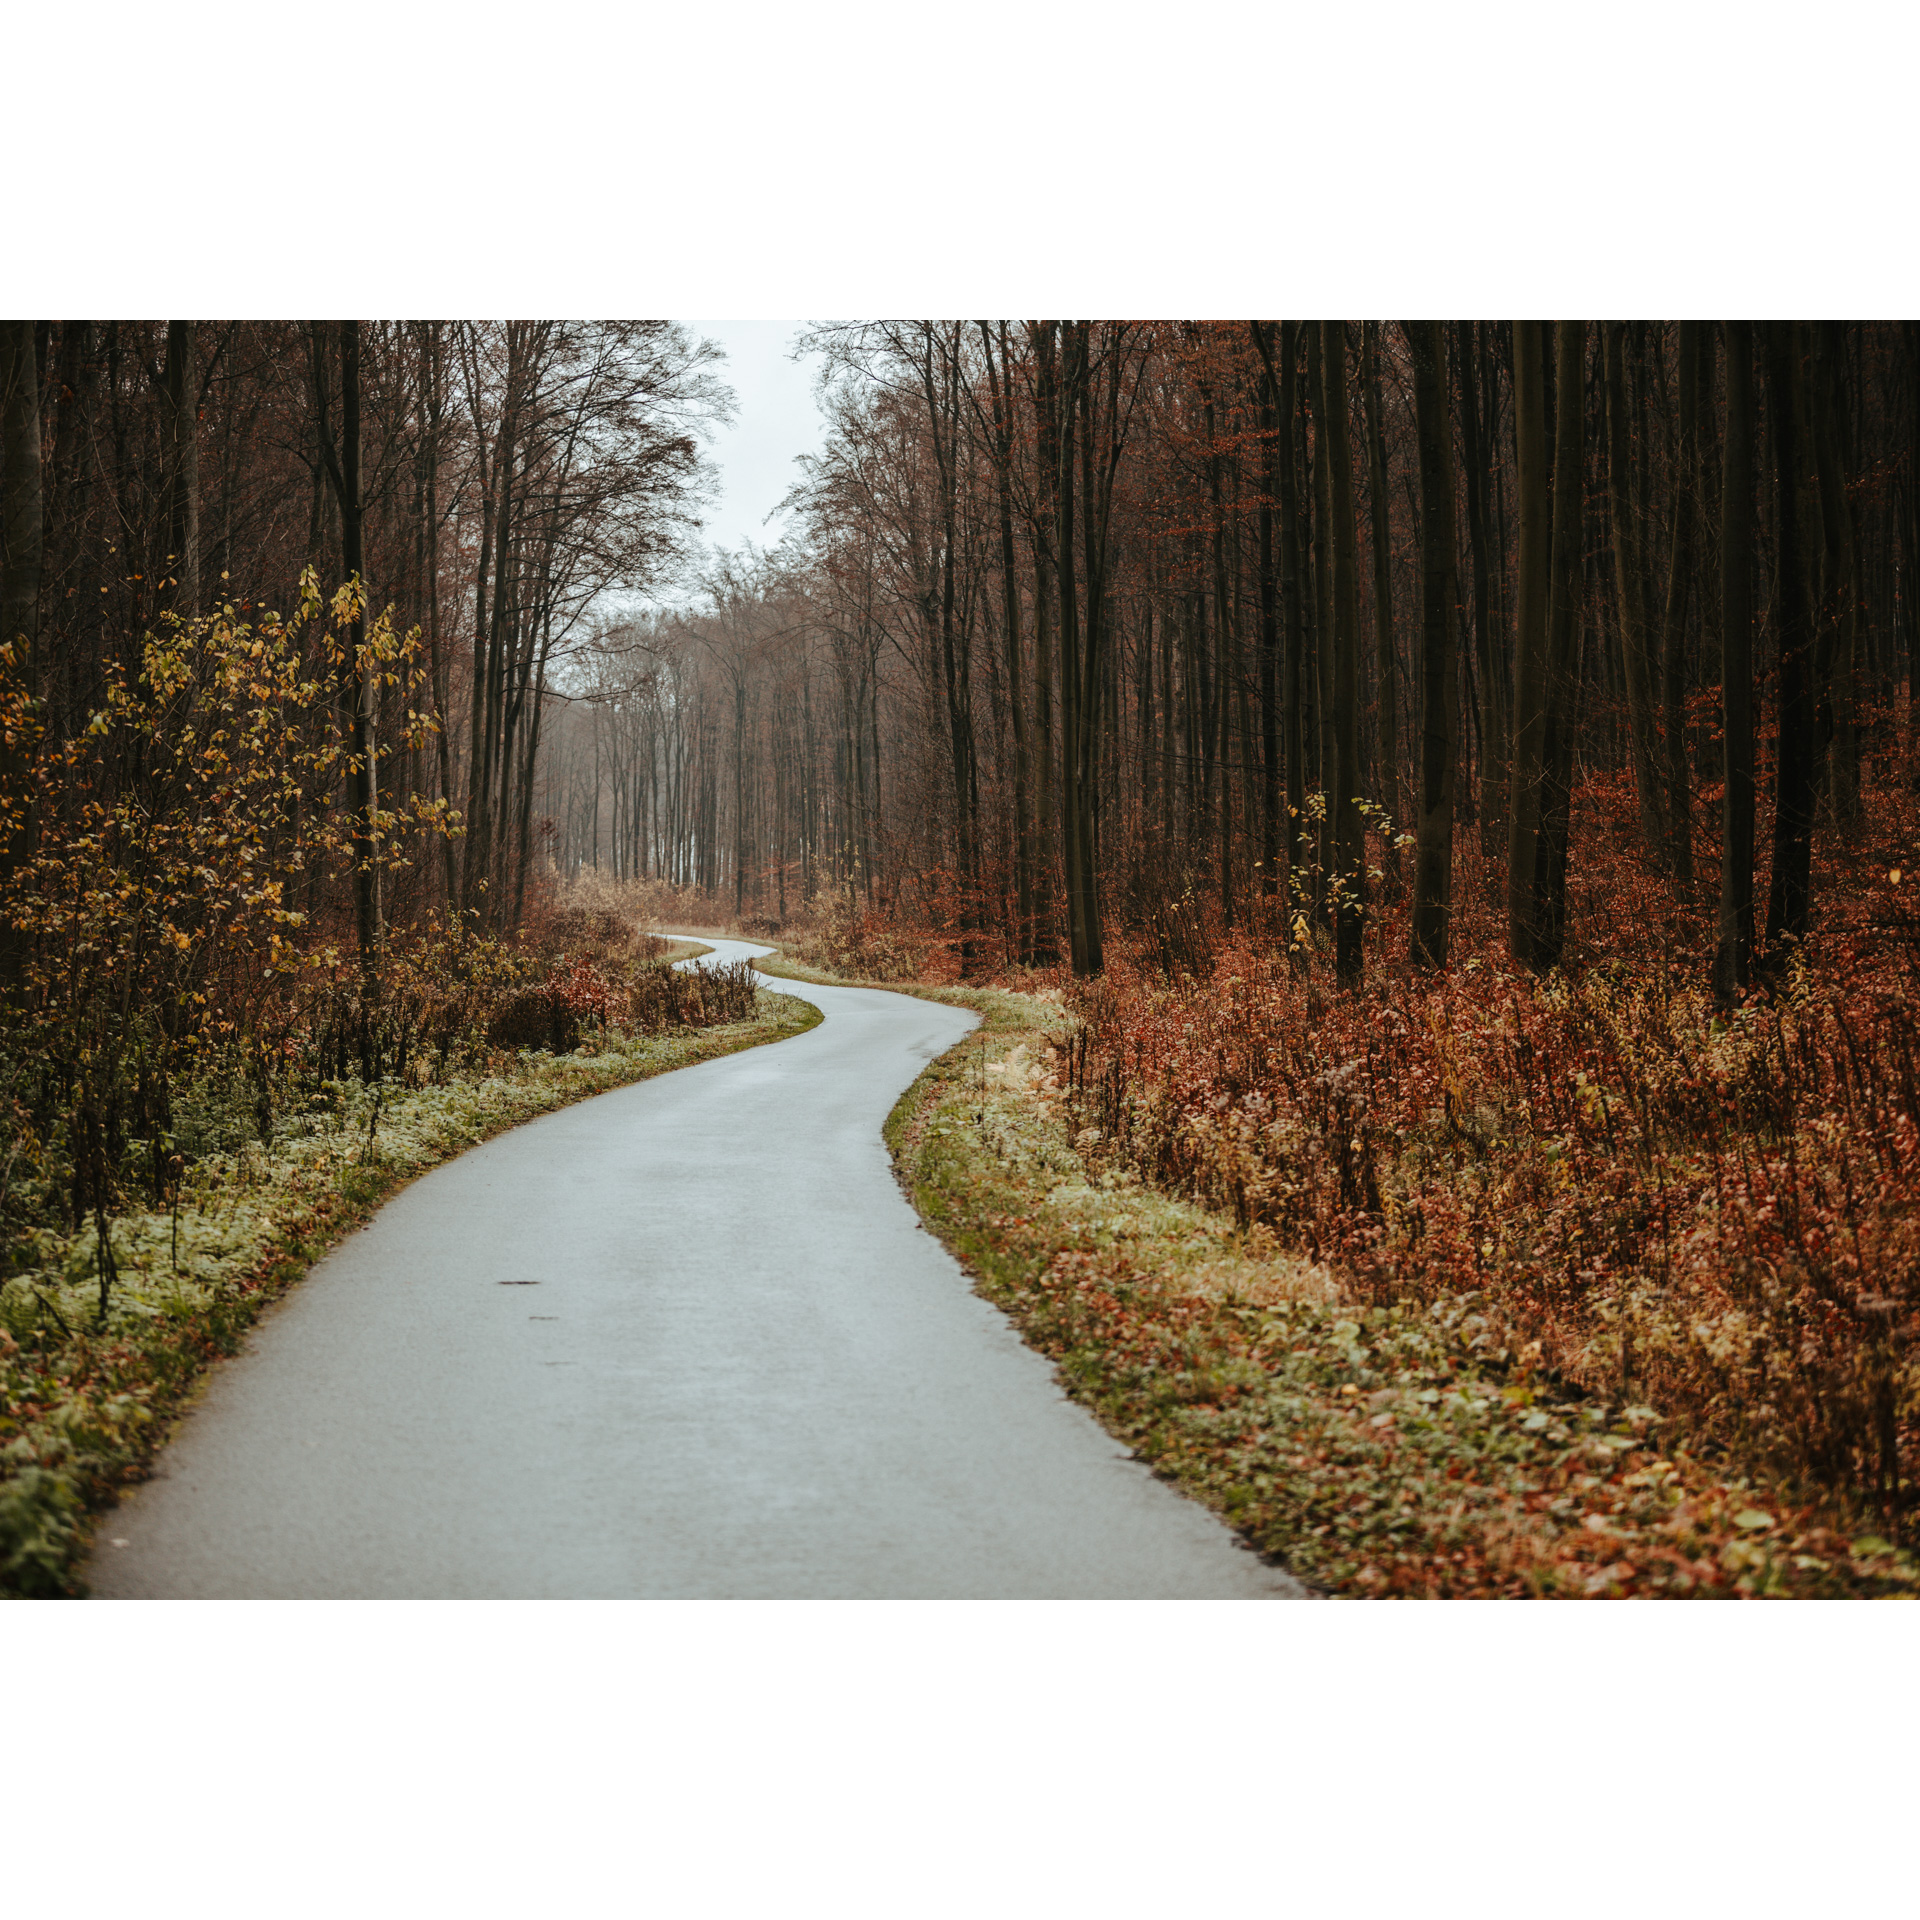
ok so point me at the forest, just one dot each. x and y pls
(1461, 775)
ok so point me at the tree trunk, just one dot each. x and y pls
(1492, 705)
(1627, 571)
(180, 406)
(1344, 802)
(22, 515)
(1072, 717)
(1439, 614)
(22, 554)
(1387, 649)
(436, 653)
(1533, 503)
(1323, 625)
(1043, 338)
(1563, 643)
(1269, 588)
(1734, 959)
(1789, 897)
(363, 782)
(1673, 643)
(1839, 609)
(1220, 732)
(1010, 624)
(1293, 621)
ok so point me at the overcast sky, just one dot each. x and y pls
(776, 422)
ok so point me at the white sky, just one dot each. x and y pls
(775, 423)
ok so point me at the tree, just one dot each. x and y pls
(1346, 779)
(1673, 642)
(1530, 677)
(1629, 603)
(1789, 897)
(1439, 641)
(1734, 956)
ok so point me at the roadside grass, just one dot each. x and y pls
(1371, 1450)
(86, 1402)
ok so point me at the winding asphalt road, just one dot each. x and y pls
(687, 1339)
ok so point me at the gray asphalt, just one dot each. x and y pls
(687, 1339)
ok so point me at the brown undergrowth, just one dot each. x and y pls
(1585, 1288)
(1713, 1215)
(1402, 1448)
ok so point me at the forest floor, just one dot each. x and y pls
(1372, 1450)
(90, 1398)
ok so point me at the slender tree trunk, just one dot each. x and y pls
(1344, 802)
(180, 406)
(1492, 711)
(1673, 644)
(1387, 650)
(1324, 643)
(1096, 474)
(1292, 592)
(1839, 621)
(1043, 337)
(363, 782)
(1072, 717)
(1269, 589)
(1563, 642)
(1789, 898)
(1010, 624)
(1627, 595)
(1221, 730)
(436, 652)
(1534, 505)
(22, 512)
(22, 556)
(1439, 615)
(1734, 959)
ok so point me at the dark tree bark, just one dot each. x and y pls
(1563, 644)
(1439, 643)
(1789, 897)
(363, 782)
(1734, 958)
(1627, 573)
(1293, 621)
(22, 555)
(1023, 862)
(1386, 649)
(939, 386)
(1072, 715)
(1261, 332)
(1673, 642)
(22, 513)
(1486, 637)
(1534, 505)
(1347, 779)
(1323, 627)
(180, 407)
(432, 401)
(1839, 630)
(1043, 339)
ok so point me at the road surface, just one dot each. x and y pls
(686, 1339)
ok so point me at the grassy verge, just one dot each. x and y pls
(86, 1400)
(1371, 1450)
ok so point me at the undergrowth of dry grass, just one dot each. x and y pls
(1359, 1302)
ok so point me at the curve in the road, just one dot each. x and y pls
(684, 1339)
